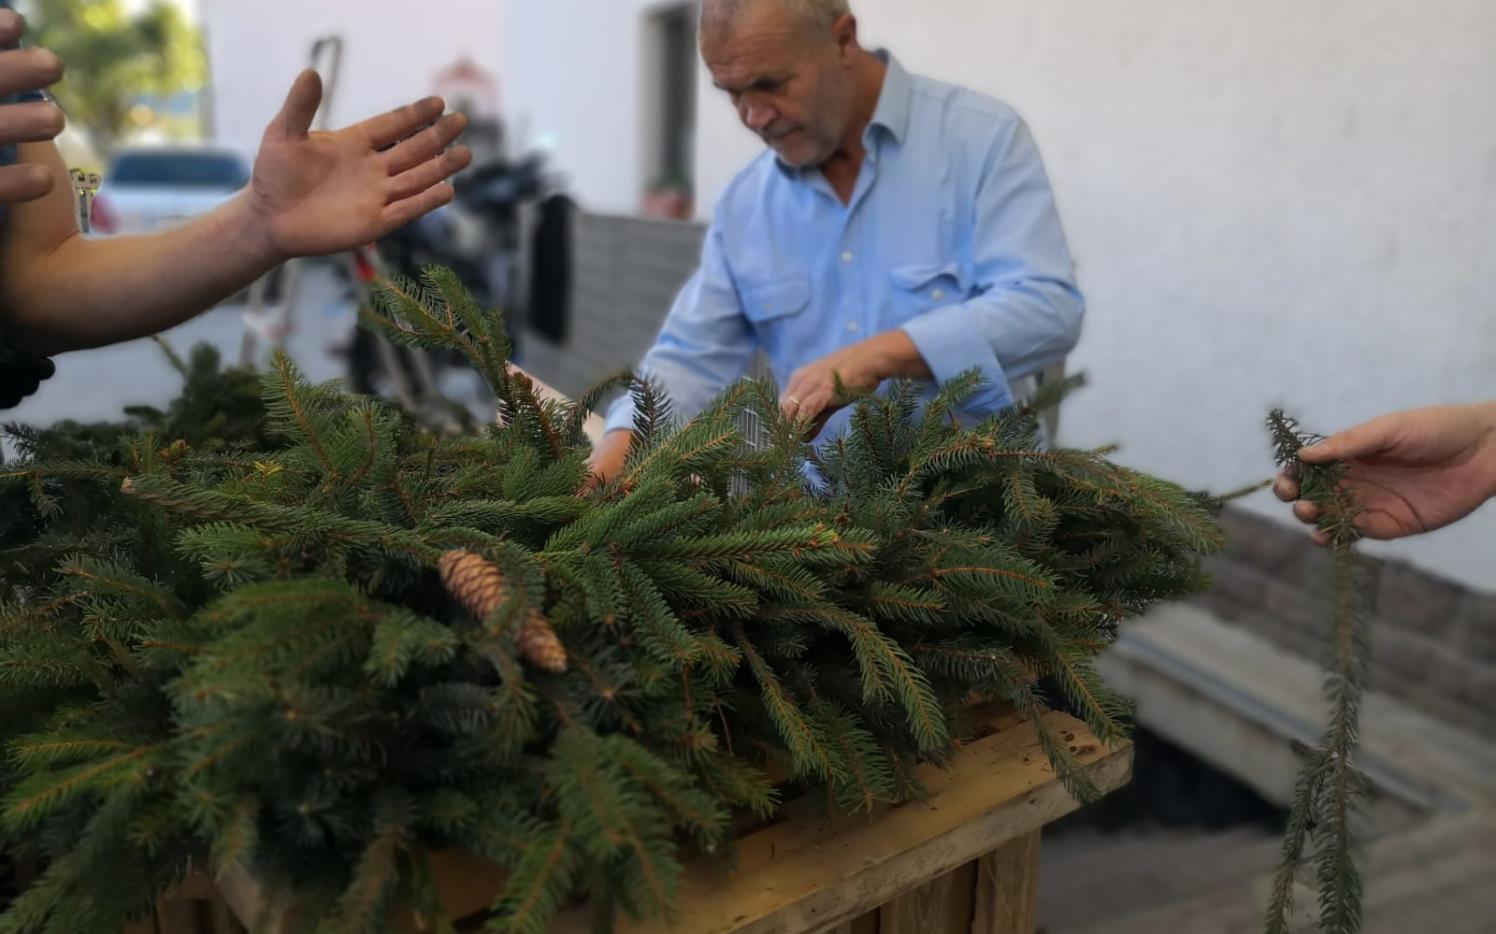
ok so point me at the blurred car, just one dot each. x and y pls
(146, 189)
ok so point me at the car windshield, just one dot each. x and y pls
(185, 169)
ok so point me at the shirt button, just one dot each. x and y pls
(938, 294)
(853, 327)
(847, 256)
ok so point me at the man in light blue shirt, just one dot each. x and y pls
(897, 228)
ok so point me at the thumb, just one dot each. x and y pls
(296, 115)
(1355, 442)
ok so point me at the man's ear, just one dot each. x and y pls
(844, 34)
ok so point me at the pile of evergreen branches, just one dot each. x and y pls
(324, 644)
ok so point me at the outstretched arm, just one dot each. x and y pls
(312, 193)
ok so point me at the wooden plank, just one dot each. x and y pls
(1007, 888)
(867, 924)
(808, 874)
(944, 906)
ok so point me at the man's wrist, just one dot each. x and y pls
(248, 232)
(894, 355)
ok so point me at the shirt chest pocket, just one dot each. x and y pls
(922, 287)
(774, 303)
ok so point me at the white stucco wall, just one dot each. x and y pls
(392, 52)
(575, 73)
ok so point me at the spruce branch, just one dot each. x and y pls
(1330, 789)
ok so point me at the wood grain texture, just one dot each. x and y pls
(1007, 888)
(867, 924)
(942, 906)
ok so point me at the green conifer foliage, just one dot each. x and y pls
(243, 654)
(1330, 790)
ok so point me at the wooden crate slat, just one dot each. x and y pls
(810, 875)
(944, 906)
(1007, 888)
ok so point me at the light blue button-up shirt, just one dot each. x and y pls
(951, 234)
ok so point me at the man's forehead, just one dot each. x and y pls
(741, 74)
(749, 54)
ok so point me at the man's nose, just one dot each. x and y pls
(757, 117)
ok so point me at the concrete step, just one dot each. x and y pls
(1089, 880)
(1437, 877)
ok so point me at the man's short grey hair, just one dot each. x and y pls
(719, 16)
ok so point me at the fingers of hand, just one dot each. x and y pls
(21, 183)
(1373, 437)
(426, 143)
(792, 400)
(12, 27)
(400, 213)
(813, 411)
(789, 405)
(300, 108)
(389, 129)
(428, 173)
(32, 122)
(1306, 511)
(28, 70)
(1286, 488)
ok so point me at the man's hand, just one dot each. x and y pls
(811, 396)
(31, 122)
(1412, 472)
(319, 193)
(609, 458)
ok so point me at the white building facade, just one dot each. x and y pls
(393, 53)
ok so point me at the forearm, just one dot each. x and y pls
(84, 293)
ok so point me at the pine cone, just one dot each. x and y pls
(478, 585)
(476, 582)
(540, 646)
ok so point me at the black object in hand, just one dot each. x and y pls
(21, 374)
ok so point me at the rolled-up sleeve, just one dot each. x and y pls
(1027, 310)
(705, 344)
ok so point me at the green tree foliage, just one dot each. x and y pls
(1329, 790)
(245, 655)
(114, 56)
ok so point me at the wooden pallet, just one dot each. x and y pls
(963, 862)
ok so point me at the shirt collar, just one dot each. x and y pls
(892, 112)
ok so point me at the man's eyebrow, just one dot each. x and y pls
(759, 83)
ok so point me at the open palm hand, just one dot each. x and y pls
(315, 193)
